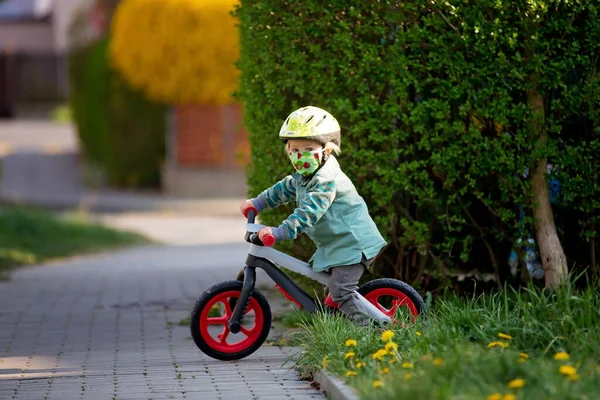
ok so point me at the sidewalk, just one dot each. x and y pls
(106, 327)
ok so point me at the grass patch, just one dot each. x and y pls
(62, 114)
(30, 236)
(490, 347)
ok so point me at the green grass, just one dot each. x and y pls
(29, 236)
(62, 114)
(456, 335)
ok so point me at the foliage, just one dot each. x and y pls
(469, 349)
(118, 128)
(438, 133)
(177, 51)
(29, 236)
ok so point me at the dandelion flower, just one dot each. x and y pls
(350, 342)
(359, 364)
(407, 365)
(386, 336)
(408, 376)
(389, 346)
(349, 354)
(379, 354)
(561, 356)
(324, 362)
(498, 344)
(509, 396)
(438, 361)
(393, 361)
(573, 378)
(567, 370)
(494, 396)
(385, 370)
(351, 373)
(377, 384)
(504, 336)
(516, 383)
(524, 355)
(418, 333)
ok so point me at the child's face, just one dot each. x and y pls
(305, 155)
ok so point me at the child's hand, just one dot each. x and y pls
(245, 206)
(264, 231)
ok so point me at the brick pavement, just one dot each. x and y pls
(105, 327)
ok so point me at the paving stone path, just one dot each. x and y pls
(106, 327)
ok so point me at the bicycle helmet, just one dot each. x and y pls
(311, 123)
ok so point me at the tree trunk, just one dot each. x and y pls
(553, 257)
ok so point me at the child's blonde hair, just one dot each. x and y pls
(328, 146)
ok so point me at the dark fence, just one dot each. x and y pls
(32, 78)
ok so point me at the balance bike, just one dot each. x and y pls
(232, 319)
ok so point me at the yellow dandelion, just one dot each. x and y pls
(524, 355)
(379, 354)
(386, 336)
(350, 342)
(389, 346)
(359, 364)
(324, 362)
(516, 383)
(407, 365)
(408, 376)
(509, 396)
(349, 354)
(567, 370)
(351, 373)
(385, 370)
(573, 377)
(418, 333)
(498, 344)
(377, 384)
(438, 361)
(561, 356)
(504, 336)
(494, 396)
(393, 361)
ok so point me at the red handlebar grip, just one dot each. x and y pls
(268, 240)
(248, 209)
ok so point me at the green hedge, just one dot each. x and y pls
(119, 130)
(437, 128)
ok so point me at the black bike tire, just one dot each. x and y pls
(205, 299)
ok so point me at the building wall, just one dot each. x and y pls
(61, 17)
(27, 37)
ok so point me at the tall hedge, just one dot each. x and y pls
(449, 112)
(120, 131)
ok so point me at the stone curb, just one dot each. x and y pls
(335, 388)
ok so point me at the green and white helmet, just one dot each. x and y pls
(311, 123)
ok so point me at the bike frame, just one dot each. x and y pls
(267, 259)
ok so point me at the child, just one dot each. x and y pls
(328, 208)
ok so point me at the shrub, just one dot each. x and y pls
(444, 108)
(177, 51)
(119, 129)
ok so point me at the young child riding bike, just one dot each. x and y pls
(329, 210)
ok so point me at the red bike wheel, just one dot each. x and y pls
(390, 295)
(209, 322)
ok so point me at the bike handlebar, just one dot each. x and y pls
(268, 240)
(250, 213)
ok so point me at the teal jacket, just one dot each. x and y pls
(330, 211)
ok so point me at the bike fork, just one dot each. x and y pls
(235, 322)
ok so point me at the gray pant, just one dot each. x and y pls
(342, 287)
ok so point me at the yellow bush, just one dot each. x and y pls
(177, 51)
